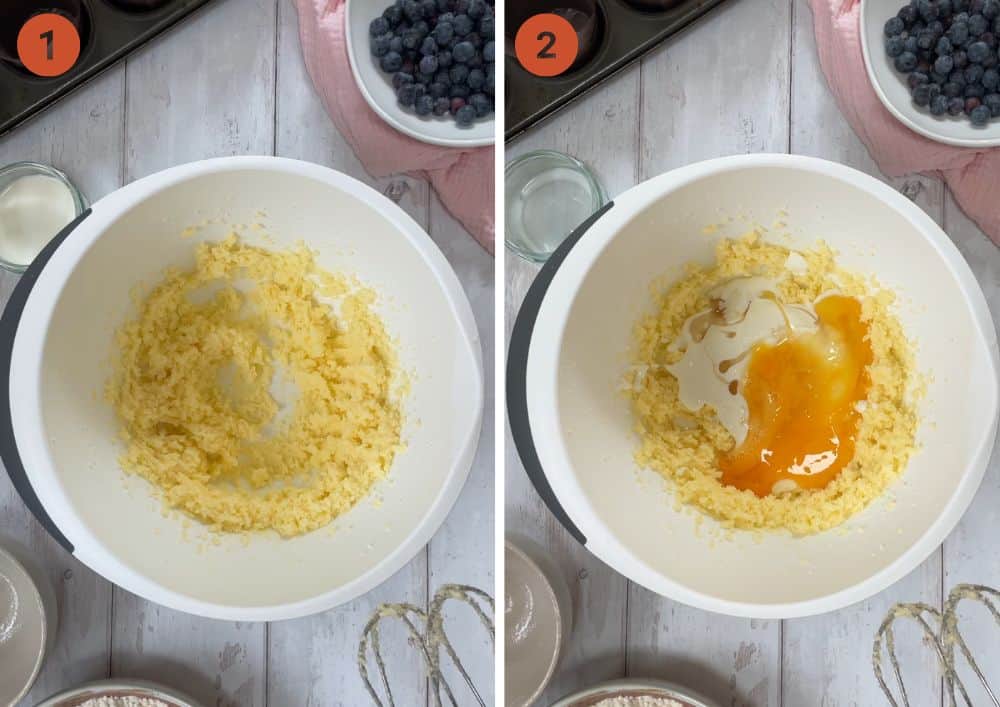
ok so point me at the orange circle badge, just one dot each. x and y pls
(48, 45)
(546, 45)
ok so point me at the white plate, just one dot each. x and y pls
(23, 629)
(376, 87)
(892, 90)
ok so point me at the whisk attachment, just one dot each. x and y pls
(940, 628)
(430, 641)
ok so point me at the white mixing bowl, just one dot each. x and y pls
(573, 426)
(62, 448)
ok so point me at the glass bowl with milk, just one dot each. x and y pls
(36, 203)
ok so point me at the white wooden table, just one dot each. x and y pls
(744, 79)
(230, 80)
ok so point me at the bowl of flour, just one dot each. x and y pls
(631, 692)
(120, 693)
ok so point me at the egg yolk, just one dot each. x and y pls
(802, 395)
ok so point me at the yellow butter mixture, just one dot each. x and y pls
(774, 389)
(257, 391)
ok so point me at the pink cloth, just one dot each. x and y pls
(973, 175)
(463, 179)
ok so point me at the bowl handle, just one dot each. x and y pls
(8, 329)
(517, 364)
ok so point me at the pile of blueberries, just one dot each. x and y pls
(440, 55)
(948, 51)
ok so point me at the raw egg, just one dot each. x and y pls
(802, 395)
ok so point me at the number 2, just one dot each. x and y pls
(545, 53)
(48, 37)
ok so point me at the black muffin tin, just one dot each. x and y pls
(612, 34)
(109, 29)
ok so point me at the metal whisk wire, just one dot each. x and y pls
(430, 641)
(944, 639)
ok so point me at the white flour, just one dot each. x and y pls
(639, 702)
(129, 701)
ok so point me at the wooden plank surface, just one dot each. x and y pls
(81, 135)
(231, 81)
(691, 106)
(602, 129)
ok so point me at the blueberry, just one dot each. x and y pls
(916, 78)
(442, 77)
(429, 65)
(977, 25)
(396, 45)
(971, 104)
(944, 65)
(908, 14)
(476, 79)
(419, 90)
(939, 105)
(422, 28)
(488, 88)
(448, 17)
(400, 77)
(959, 6)
(481, 104)
(907, 61)
(437, 89)
(978, 51)
(962, 16)
(990, 79)
(975, 90)
(464, 51)
(956, 106)
(445, 59)
(380, 26)
(393, 15)
(927, 10)
(391, 62)
(458, 73)
(960, 58)
(441, 106)
(921, 94)
(489, 50)
(989, 39)
(942, 48)
(455, 105)
(429, 47)
(463, 25)
(951, 90)
(411, 39)
(477, 8)
(487, 27)
(474, 39)
(910, 45)
(443, 32)
(945, 8)
(980, 115)
(958, 33)
(466, 114)
(974, 73)
(406, 94)
(380, 46)
(991, 9)
(926, 39)
(992, 101)
(424, 105)
(412, 10)
(459, 90)
(976, 6)
(957, 77)
(430, 8)
(936, 28)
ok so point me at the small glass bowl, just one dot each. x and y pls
(15, 171)
(547, 194)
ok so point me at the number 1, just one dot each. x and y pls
(47, 36)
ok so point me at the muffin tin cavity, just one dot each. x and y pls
(14, 13)
(586, 16)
